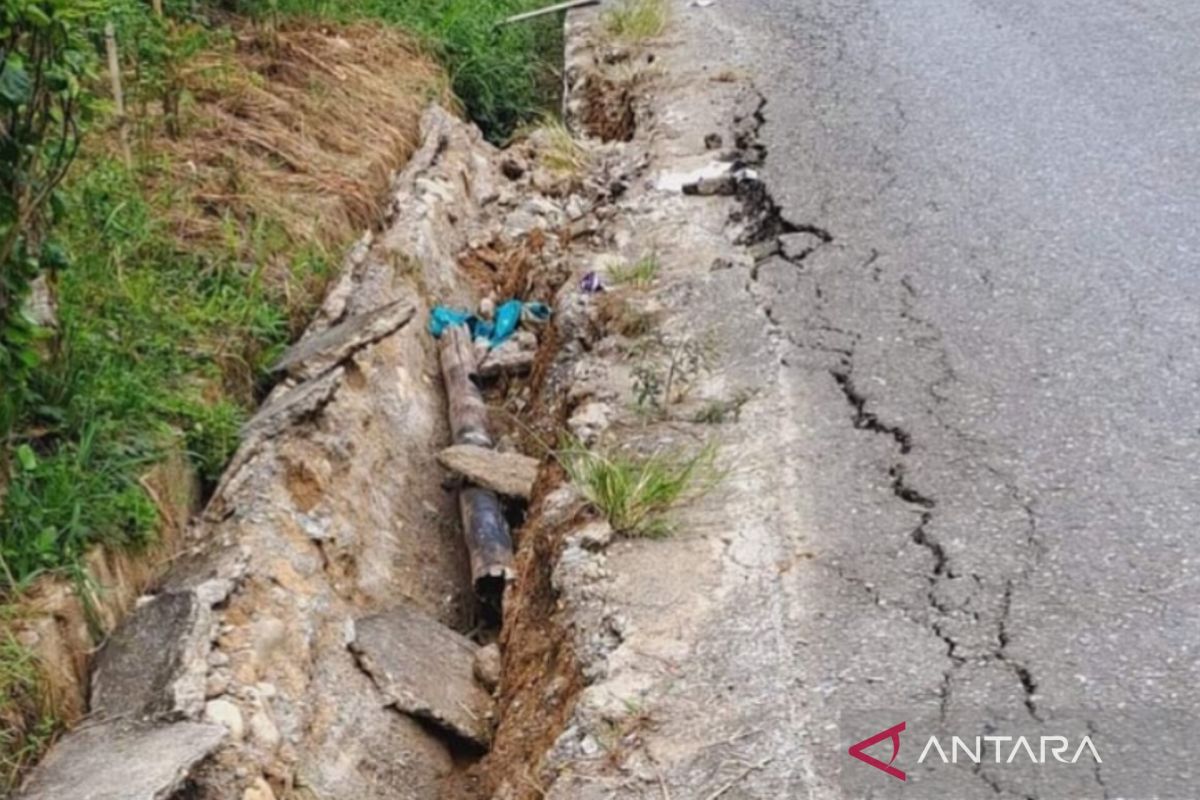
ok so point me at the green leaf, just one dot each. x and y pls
(36, 15)
(15, 87)
(27, 458)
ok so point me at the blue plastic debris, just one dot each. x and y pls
(508, 316)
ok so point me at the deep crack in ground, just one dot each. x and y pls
(763, 221)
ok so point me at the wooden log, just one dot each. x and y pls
(114, 76)
(468, 414)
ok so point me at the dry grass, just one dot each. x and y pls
(290, 136)
(636, 20)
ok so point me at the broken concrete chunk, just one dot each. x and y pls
(488, 666)
(425, 670)
(509, 474)
(292, 405)
(319, 353)
(514, 357)
(151, 666)
(122, 760)
(798, 245)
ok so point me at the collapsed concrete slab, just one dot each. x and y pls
(144, 670)
(122, 761)
(324, 350)
(510, 474)
(425, 670)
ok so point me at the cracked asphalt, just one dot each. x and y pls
(995, 361)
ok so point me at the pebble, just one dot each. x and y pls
(224, 712)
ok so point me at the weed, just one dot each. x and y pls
(636, 20)
(666, 369)
(716, 412)
(623, 316)
(635, 492)
(640, 274)
(558, 151)
(26, 726)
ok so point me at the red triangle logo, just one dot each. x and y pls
(893, 733)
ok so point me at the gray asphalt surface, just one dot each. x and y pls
(997, 361)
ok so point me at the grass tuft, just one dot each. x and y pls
(636, 20)
(640, 274)
(26, 726)
(635, 493)
(557, 149)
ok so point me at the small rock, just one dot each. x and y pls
(487, 666)
(589, 746)
(589, 421)
(263, 730)
(269, 635)
(225, 712)
(512, 169)
(709, 186)
(595, 535)
(798, 245)
(259, 790)
(216, 684)
(713, 141)
(560, 504)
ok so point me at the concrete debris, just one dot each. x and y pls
(589, 421)
(426, 670)
(510, 474)
(155, 665)
(798, 245)
(283, 409)
(514, 357)
(320, 352)
(227, 714)
(259, 790)
(122, 761)
(488, 666)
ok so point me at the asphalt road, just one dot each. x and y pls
(999, 358)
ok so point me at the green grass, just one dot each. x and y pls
(641, 274)
(560, 152)
(26, 728)
(505, 76)
(636, 493)
(156, 346)
(636, 20)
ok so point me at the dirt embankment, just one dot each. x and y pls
(284, 144)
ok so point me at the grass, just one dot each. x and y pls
(506, 76)
(155, 345)
(640, 275)
(558, 150)
(635, 492)
(26, 725)
(717, 412)
(636, 20)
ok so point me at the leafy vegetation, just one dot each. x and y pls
(635, 492)
(44, 58)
